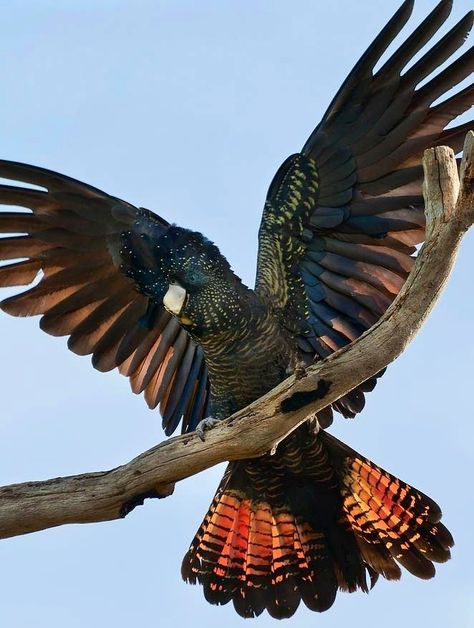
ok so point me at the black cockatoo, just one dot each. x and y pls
(337, 239)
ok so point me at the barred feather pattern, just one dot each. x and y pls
(314, 518)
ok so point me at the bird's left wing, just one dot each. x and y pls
(96, 258)
(343, 217)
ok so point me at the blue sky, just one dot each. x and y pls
(188, 108)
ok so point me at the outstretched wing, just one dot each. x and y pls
(343, 217)
(78, 239)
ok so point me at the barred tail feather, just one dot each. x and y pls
(386, 512)
(292, 539)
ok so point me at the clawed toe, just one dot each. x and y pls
(297, 368)
(206, 424)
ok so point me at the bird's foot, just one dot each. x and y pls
(300, 370)
(297, 368)
(313, 423)
(206, 424)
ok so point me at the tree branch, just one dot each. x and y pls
(261, 426)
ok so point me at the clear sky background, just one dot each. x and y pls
(188, 108)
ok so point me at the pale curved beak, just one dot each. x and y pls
(174, 298)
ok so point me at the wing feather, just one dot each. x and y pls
(72, 235)
(343, 218)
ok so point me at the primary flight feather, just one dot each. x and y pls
(159, 302)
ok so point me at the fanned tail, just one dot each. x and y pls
(273, 537)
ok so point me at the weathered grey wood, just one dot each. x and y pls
(258, 428)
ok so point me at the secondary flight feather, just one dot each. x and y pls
(160, 303)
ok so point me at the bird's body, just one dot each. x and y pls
(337, 240)
(246, 348)
(247, 361)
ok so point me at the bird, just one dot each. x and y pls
(341, 224)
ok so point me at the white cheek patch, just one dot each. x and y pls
(174, 298)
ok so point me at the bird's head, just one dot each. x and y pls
(202, 292)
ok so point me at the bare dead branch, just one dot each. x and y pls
(258, 428)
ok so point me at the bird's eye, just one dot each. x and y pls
(194, 277)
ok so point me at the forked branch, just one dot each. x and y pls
(258, 428)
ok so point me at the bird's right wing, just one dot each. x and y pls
(80, 241)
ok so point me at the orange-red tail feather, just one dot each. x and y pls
(274, 536)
